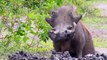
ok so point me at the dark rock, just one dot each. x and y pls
(55, 56)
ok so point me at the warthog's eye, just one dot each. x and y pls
(53, 29)
(70, 28)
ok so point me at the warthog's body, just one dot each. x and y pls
(69, 34)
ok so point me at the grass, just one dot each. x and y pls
(95, 20)
(98, 42)
(97, 1)
(102, 27)
(100, 1)
(42, 47)
(97, 23)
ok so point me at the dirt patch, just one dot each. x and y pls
(99, 33)
(101, 50)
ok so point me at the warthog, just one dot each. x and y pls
(68, 33)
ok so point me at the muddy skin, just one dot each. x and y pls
(69, 34)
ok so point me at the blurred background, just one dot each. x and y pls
(23, 26)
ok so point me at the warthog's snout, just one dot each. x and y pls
(59, 33)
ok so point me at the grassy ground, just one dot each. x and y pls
(98, 29)
(98, 25)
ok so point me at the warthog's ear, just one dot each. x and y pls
(49, 21)
(54, 14)
(77, 18)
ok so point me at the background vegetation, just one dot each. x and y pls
(23, 25)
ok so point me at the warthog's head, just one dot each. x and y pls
(63, 22)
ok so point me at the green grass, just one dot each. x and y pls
(96, 1)
(102, 27)
(95, 20)
(100, 1)
(98, 42)
(97, 23)
(42, 47)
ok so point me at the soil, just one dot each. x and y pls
(55, 56)
(101, 50)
